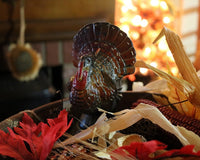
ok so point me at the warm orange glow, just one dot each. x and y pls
(166, 20)
(142, 21)
(169, 54)
(123, 20)
(125, 28)
(135, 35)
(131, 77)
(147, 52)
(162, 45)
(144, 71)
(155, 3)
(127, 5)
(154, 64)
(174, 70)
(163, 5)
(136, 20)
(124, 9)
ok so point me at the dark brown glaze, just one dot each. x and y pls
(103, 54)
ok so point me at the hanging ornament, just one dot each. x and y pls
(23, 61)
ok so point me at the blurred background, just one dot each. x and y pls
(51, 25)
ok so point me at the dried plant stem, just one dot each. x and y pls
(183, 63)
(22, 24)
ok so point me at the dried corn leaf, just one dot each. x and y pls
(161, 99)
(185, 108)
(191, 137)
(157, 86)
(101, 141)
(128, 139)
(112, 139)
(99, 128)
(118, 141)
(126, 118)
(183, 63)
(102, 154)
(184, 86)
(178, 91)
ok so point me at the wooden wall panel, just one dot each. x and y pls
(55, 19)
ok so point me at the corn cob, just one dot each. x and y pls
(174, 117)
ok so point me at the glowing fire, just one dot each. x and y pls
(142, 21)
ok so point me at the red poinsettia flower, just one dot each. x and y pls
(40, 138)
(145, 150)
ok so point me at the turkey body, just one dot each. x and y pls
(103, 54)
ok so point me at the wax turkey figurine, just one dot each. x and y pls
(103, 54)
(24, 62)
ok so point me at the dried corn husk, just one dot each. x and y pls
(158, 86)
(178, 91)
(185, 108)
(127, 118)
(184, 86)
(117, 141)
(193, 138)
(183, 63)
